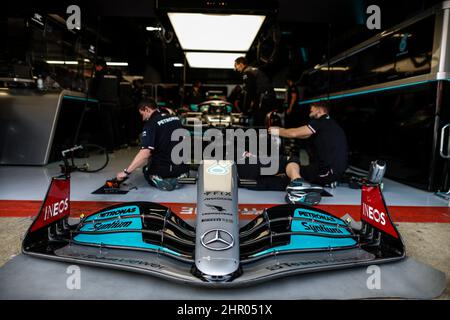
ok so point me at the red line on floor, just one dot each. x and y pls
(29, 208)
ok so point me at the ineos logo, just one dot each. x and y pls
(56, 208)
(217, 240)
(374, 214)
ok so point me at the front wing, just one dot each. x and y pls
(148, 238)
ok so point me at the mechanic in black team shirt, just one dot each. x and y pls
(259, 95)
(156, 149)
(328, 159)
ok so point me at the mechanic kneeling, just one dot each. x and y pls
(328, 159)
(156, 149)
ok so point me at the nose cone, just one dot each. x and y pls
(217, 266)
(217, 222)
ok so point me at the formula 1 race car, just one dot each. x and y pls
(216, 250)
(214, 113)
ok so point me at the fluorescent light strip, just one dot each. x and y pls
(329, 68)
(80, 98)
(212, 60)
(345, 95)
(153, 28)
(178, 65)
(215, 32)
(61, 62)
(117, 64)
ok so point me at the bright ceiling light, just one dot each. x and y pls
(326, 68)
(178, 65)
(117, 64)
(61, 62)
(213, 60)
(334, 68)
(153, 28)
(215, 32)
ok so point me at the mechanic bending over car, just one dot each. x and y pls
(156, 149)
(328, 158)
(259, 95)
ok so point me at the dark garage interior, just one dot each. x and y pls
(76, 82)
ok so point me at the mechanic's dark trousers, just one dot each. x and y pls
(277, 182)
(267, 103)
(172, 171)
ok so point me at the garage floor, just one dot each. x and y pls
(423, 219)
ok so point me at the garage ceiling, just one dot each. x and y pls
(307, 31)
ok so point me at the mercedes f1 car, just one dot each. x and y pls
(214, 114)
(216, 250)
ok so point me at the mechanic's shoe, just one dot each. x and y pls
(300, 185)
(308, 198)
(182, 176)
(167, 184)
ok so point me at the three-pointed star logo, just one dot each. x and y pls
(217, 240)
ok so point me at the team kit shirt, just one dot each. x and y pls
(255, 83)
(329, 145)
(156, 136)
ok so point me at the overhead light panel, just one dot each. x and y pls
(178, 65)
(153, 28)
(327, 68)
(213, 60)
(117, 64)
(215, 32)
(334, 68)
(61, 62)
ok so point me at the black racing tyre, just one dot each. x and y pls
(90, 158)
